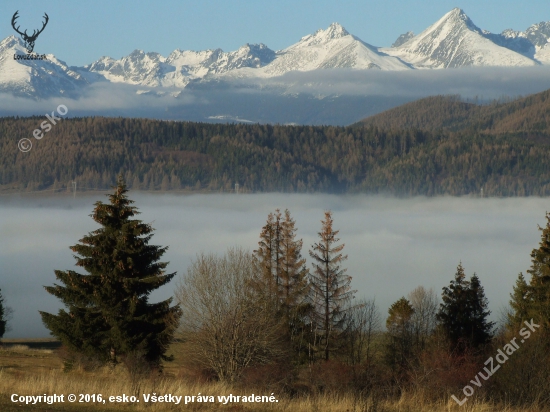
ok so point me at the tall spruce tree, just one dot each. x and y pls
(109, 317)
(463, 313)
(481, 330)
(331, 293)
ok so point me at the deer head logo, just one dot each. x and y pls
(29, 40)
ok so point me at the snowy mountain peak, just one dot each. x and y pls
(36, 78)
(455, 19)
(140, 54)
(15, 43)
(331, 48)
(455, 41)
(333, 32)
(539, 34)
(457, 13)
(510, 34)
(12, 42)
(260, 51)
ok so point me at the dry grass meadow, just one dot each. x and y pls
(33, 368)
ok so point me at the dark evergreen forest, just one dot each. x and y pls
(434, 146)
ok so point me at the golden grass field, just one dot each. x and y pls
(31, 367)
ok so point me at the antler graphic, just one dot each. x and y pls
(29, 40)
(13, 19)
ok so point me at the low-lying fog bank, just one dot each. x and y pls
(394, 245)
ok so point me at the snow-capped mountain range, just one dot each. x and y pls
(453, 41)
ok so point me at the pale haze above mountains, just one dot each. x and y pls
(315, 71)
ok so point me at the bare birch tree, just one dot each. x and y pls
(226, 328)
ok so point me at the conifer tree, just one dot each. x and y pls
(400, 332)
(480, 327)
(539, 284)
(463, 313)
(294, 291)
(108, 316)
(293, 276)
(269, 256)
(520, 303)
(453, 313)
(330, 285)
(283, 282)
(3, 314)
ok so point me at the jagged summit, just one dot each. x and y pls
(455, 41)
(538, 34)
(181, 66)
(405, 37)
(11, 41)
(457, 15)
(334, 31)
(136, 68)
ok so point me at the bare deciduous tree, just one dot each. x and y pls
(363, 323)
(226, 327)
(425, 304)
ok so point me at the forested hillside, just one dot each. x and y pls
(163, 155)
(526, 116)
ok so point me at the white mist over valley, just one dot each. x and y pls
(394, 245)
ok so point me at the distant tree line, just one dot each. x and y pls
(162, 156)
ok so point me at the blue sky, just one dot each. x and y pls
(79, 32)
